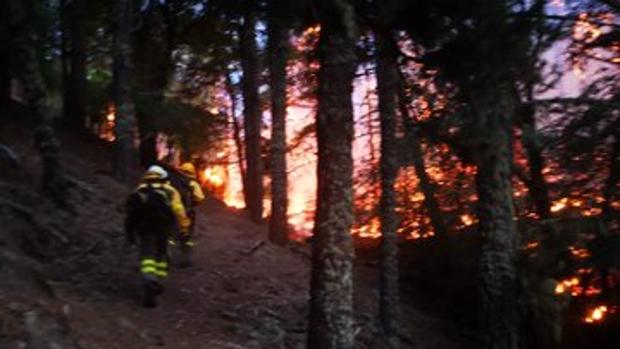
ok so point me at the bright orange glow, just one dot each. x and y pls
(315, 30)
(214, 176)
(532, 245)
(106, 128)
(596, 314)
(371, 230)
(467, 219)
(559, 205)
(567, 285)
(579, 253)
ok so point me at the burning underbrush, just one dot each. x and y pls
(569, 282)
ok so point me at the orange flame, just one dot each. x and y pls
(468, 219)
(106, 130)
(567, 285)
(596, 314)
(214, 176)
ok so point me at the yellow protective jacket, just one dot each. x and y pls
(176, 204)
(198, 195)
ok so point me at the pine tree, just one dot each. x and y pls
(125, 129)
(20, 28)
(331, 303)
(252, 115)
(278, 49)
(152, 64)
(75, 14)
(387, 87)
(495, 212)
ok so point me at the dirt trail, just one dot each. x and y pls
(242, 292)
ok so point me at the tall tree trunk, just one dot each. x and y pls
(536, 162)
(54, 181)
(331, 294)
(5, 77)
(75, 90)
(416, 155)
(387, 87)
(5, 71)
(236, 133)
(125, 129)
(65, 69)
(496, 216)
(611, 186)
(152, 61)
(278, 52)
(252, 116)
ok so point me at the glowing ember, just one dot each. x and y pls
(106, 129)
(559, 205)
(596, 314)
(567, 285)
(579, 253)
(467, 220)
(372, 230)
(531, 245)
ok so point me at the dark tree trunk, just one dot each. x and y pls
(75, 90)
(387, 87)
(493, 158)
(236, 133)
(252, 116)
(54, 181)
(331, 293)
(65, 69)
(148, 140)
(416, 156)
(152, 61)
(611, 186)
(5, 80)
(536, 162)
(5, 75)
(125, 130)
(278, 52)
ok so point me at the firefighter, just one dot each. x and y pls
(194, 196)
(154, 212)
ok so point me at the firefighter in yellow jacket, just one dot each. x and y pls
(195, 197)
(154, 213)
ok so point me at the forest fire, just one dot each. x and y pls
(579, 253)
(467, 219)
(214, 176)
(105, 128)
(596, 314)
(569, 285)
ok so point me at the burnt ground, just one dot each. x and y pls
(68, 280)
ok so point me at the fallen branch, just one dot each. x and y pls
(254, 248)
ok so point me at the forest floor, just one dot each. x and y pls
(68, 280)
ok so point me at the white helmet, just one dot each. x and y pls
(157, 171)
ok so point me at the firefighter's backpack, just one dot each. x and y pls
(151, 203)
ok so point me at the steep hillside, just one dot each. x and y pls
(68, 280)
